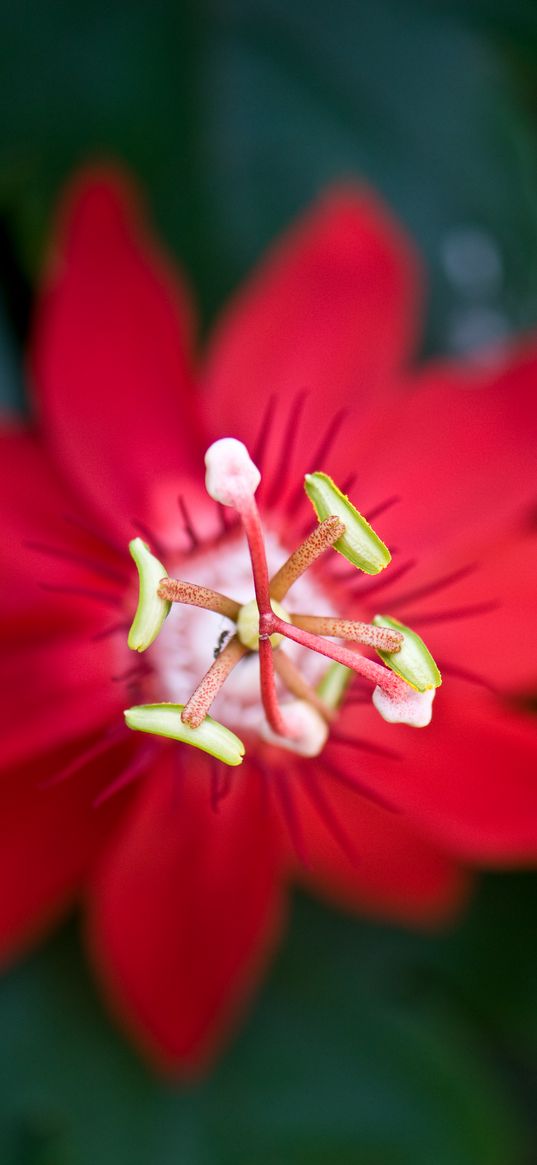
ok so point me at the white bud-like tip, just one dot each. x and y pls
(414, 708)
(231, 474)
(308, 731)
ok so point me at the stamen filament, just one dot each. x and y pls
(374, 672)
(197, 707)
(294, 681)
(177, 591)
(366, 633)
(249, 515)
(268, 688)
(323, 536)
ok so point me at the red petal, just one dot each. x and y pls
(48, 838)
(111, 356)
(460, 451)
(500, 644)
(52, 692)
(467, 781)
(185, 909)
(332, 310)
(396, 874)
(35, 504)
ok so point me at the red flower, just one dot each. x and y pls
(183, 884)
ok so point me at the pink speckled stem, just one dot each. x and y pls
(382, 638)
(324, 535)
(197, 707)
(177, 591)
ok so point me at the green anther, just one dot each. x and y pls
(413, 662)
(333, 684)
(151, 610)
(359, 544)
(165, 720)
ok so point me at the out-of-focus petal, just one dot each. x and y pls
(54, 690)
(467, 781)
(185, 908)
(332, 311)
(42, 545)
(385, 867)
(49, 837)
(498, 644)
(111, 355)
(458, 447)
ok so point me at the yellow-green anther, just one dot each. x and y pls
(331, 688)
(151, 610)
(413, 662)
(165, 720)
(359, 544)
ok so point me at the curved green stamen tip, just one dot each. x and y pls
(359, 544)
(413, 662)
(165, 720)
(151, 610)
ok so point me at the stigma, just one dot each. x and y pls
(303, 661)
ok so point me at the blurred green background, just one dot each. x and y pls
(368, 1045)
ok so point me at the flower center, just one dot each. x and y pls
(193, 637)
(296, 697)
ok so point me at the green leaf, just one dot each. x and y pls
(359, 544)
(413, 662)
(165, 720)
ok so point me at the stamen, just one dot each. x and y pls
(296, 684)
(314, 791)
(471, 677)
(149, 536)
(220, 783)
(382, 507)
(371, 671)
(113, 629)
(197, 707)
(319, 455)
(360, 787)
(413, 708)
(177, 591)
(111, 738)
(364, 745)
(281, 473)
(99, 568)
(380, 637)
(269, 695)
(282, 789)
(265, 429)
(135, 769)
(321, 538)
(455, 613)
(305, 731)
(187, 522)
(84, 592)
(360, 589)
(439, 584)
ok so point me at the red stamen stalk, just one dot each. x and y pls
(268, 687)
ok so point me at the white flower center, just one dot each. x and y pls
(191, 636)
